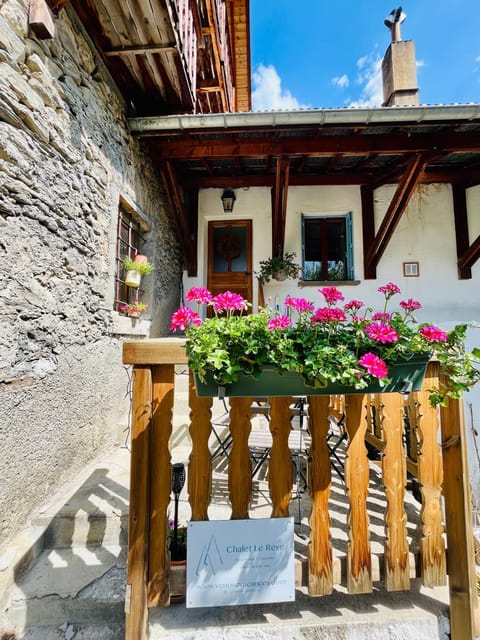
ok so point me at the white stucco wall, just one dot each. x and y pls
(425, 234)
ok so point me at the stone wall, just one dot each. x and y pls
(66, 158)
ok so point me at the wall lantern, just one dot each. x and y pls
(228, 198)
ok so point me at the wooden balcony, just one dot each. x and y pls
(410, 434)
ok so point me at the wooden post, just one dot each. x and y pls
(320, 564)
(464, 604)
(160, 489)
(357, 476)
(136, 620)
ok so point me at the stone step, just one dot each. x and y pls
(339, 616)
(76, 586)
(68, 631)
(78, 594)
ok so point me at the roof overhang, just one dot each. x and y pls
(404, 146)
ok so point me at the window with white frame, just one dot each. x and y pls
(327, 252)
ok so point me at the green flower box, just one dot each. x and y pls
(404, 377)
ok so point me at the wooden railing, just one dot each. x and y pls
(437, 457)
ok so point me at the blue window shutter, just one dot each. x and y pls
(349, 243)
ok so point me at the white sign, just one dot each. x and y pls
(240, 562)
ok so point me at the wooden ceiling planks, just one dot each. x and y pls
(159, 50)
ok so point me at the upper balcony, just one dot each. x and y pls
(173, 56)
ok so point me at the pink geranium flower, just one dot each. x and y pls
(433, 334)
(183, 317)
(201, 295)
(229, 301)
(279, 322)
(381, 332)
(381, 316)
(299, 305)
(332, 294)
(374, 365)
(353, 305)
(389, 289)
(410, 305)
(325, 314)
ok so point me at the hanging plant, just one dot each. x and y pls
(279, 268)
(135, 269)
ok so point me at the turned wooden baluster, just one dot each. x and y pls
(240, 466)
(200, 465)
(320, 566)
(280, 475)
(390, 409)
(357, 474)
(430, 476)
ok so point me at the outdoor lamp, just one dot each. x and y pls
(228, 198)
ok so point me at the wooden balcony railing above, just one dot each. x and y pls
(436, 444)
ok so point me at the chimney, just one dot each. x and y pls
(399, 68)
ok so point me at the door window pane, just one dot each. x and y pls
(229, 249)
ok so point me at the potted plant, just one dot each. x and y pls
(278, 268)
(337, 348)
(135, 269)
(177, 545)
(134, 309)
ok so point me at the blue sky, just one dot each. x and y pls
(327, 53)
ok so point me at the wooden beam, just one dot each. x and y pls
(395, 210)
(225, 146)
(279, 206)
(368, 229)
(140, 49)
(192, 212)
(464, 603)
(461, 227)
(470, 256)
(40, 20)
(266, 179)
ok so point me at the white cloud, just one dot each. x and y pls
(267, 91)
(361, 62)
(370, 80)
(340, 81)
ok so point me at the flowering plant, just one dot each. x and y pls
(345, 344)
(135, 308)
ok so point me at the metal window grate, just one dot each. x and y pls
(129, 242)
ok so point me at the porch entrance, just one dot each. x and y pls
(230, 257)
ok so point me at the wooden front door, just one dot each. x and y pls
(230, 257)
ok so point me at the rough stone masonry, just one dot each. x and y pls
(66, 159)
